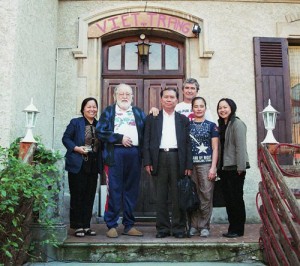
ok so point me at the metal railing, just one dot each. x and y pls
(278, 207)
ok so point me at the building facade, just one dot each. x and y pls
(59, 52)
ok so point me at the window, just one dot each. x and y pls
(171, 57)
(131, 56)
(155, 58)
(114, 57)
(294, 62)
(120, 57)
(168, 62)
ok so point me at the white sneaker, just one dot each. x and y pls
(204, 233)
(194, 231)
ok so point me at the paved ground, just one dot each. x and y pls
(251, 235)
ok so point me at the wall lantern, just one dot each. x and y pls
(196, 29)
(269, 116)
(143, 48)
(31, 114)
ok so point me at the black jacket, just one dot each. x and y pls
(152, 139)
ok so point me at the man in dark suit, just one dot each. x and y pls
(167, 157)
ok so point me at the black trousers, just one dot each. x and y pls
(166, 184)
(233, 191)
(82, 194)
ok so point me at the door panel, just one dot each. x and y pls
(153, 87)
(109, 86)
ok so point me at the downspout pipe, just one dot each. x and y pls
(55, 91)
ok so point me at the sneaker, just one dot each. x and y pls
(112, 233)
(194, 231)
(204, 233)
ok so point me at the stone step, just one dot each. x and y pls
(148, 248)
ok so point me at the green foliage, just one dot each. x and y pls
(26, 194)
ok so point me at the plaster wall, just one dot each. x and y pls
(30, 33)
(8, 13)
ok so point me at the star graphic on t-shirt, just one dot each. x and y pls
(202, 148)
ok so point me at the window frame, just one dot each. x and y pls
(143, 69)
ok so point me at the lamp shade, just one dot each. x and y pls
(269, 117)
(143, 48)
(31, 114)
(196, 29)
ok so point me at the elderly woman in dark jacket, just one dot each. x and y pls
(83, 163)
(233, 162)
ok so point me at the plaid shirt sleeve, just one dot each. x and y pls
(105, 127)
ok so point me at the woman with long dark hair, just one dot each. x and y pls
(233, 162)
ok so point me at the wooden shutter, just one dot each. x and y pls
(272, 80)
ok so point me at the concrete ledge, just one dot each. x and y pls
(148, 248)
(167, 252)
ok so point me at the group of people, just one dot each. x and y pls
(180, 139)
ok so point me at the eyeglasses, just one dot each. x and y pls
(125, 94)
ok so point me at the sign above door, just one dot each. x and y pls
(97, 24)
(141, 20)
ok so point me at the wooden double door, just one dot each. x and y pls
(146, 95)
(164, 67)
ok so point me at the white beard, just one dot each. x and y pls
(124, 105)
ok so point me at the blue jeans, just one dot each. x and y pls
(123, 179)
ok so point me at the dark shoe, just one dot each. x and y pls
(179, 235)
(79, 232)
(232, 235)
(89, 232)
(162, 234)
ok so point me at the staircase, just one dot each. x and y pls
(148, 248)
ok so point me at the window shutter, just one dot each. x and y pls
(272, 81)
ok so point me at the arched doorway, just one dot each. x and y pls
(163, 68)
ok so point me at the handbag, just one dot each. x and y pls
(218, 197)
(188, 197)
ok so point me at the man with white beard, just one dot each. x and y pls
(120, 128)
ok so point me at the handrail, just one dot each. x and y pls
(278, 177)
(278, 209)
(285, 148)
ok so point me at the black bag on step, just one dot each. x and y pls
(188, 199)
